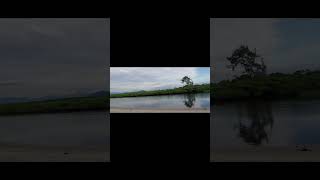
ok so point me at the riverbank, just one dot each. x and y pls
(29, 153)
(301, 84)
(131, 110)
(203, 88)
(266, 154)
(58, 105)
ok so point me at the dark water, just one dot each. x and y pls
(261, 124)
(83, 130)
(179, 101)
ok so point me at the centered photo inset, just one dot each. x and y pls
(160, 90)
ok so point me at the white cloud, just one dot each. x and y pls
(124, 79)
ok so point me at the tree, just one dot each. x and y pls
(247, 59)
(189, 83)
(187, 80)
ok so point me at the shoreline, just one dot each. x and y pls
(159, 95)
(30, 153)
(197, 88)
(53, 112)
(131, 110)
(265, 154)
(56, 106)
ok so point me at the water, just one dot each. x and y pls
(79, 130)
(265, 124)
(179, 101)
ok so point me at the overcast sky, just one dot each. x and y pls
(126, 79)
(287, 45)
(42, 57)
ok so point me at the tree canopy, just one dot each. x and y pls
(248, 60)
(187, 80)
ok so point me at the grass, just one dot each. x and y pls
(301, 84)
(203, 88)
(59, 105)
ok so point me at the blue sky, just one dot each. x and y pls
(126, 79)
(287, 45)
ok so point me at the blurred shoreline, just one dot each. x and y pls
(29, 153)
(131, 110)
(266, 154)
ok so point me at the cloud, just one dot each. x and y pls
(54, 56)
(287, 45)
(151, 78)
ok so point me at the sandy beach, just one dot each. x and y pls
(130, 110)
(9, 153)
(266, 154)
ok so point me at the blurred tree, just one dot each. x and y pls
(247, 59)
(186, 80)
(189, 83)
(258, 116)
(189, 100)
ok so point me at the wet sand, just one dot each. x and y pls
(130, 110)
(266, 154)
(10, 153)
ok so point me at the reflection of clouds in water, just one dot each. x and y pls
(204, 100)
(306, 118)
(205, 103)
(144, 102)
(182, 101)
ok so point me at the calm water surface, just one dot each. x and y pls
(80, 130)
(261, 124)
(179, 101)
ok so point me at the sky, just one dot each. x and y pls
(128, 79)
(53, 57)
(287, 45)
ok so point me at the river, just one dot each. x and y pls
(269, 127)
(164, 103)
(77, 136)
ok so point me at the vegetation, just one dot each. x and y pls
(301, 84)
(247, 59)
(59, 105)
(187, 80)
(189, 84)
(255, 83)
(203, 88)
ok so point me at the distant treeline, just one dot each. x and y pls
(203, 88)
(59, 105)
(301, 84)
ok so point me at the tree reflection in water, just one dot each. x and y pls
(259, 117)
(189, 100)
